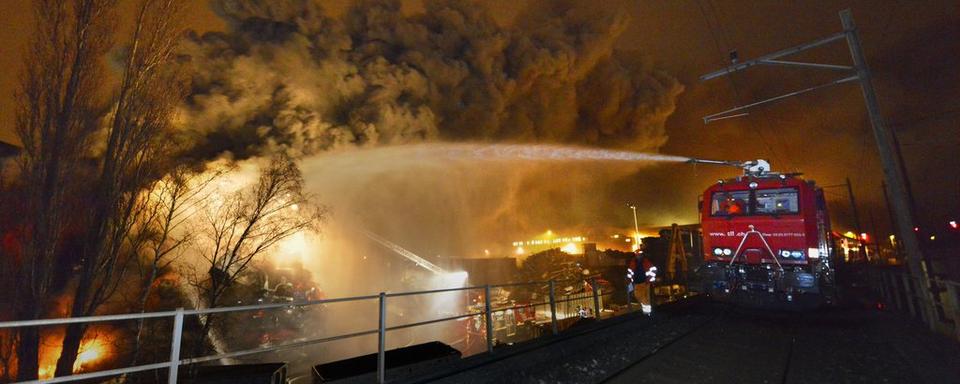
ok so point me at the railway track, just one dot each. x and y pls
(708, 342)
(586, 353)
(719, 344)
(621, 373)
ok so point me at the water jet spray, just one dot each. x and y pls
(421, 262)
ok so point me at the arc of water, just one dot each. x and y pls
(424, 263)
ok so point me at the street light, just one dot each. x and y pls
(636, 226)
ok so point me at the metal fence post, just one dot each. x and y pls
(908, 292)
(895, 291)
(175, 342)
(553, 307)
(382, 340)
(884, 290)
(954, 301)
(596, 298)
(489, 317)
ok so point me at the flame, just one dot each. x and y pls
(90, 352)
(293, 250)
(93, 350)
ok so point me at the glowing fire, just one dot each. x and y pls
(292, 250)
(92, 350)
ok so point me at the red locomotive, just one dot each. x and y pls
(766, 238)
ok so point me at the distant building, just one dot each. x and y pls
(570, 244)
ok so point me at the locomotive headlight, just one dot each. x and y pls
(791, 253)
(717, 251)
(813, 253)
(753, 185)
(727, 251)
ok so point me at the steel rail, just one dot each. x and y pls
(501, 309)
(239, 308)
(412, 293)
(428, 322)
(243, 308)
(175, 361)
(272, 348)
(86, 319)
(99, 374)
(659, 348)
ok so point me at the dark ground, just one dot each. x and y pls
(705, 342)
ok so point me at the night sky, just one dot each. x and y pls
(913, 48)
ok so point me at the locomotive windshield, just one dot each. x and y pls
(777, 202)
(780, 201)
(730, 203)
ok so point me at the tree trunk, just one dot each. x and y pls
(74, 332)
(144, 295)
(205, 329)
(28, 351)
(71, 348)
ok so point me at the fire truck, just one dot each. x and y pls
(766, 239)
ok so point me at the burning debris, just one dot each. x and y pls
(286, 82)
(96, 349)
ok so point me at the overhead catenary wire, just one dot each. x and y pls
(720, 51)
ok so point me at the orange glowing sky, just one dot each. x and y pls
(913, 47)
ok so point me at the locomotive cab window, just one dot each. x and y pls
(782, 201)
(729, 203)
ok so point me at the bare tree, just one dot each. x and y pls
(11, 220)
(136, 154)
(56, 108)
(8, 344)
(168, 209)
(244, 226)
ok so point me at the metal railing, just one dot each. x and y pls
(903, 292)
(178, 315)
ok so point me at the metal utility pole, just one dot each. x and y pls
(856, 216)
(894, 244)
(876, 240)
(892, 171)
(636, 227)
(891, 164)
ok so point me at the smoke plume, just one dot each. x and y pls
(285, 76)
(352, 96)
(342, 92)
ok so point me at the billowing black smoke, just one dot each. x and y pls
(285, 76)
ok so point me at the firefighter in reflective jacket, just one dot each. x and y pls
(641, 284)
